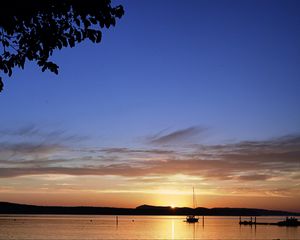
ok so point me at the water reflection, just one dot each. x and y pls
(173, 229)
(143, 227)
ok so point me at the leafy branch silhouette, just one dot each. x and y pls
(31, 30)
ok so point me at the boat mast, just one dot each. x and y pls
(193, 198)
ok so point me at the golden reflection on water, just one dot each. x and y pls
(135, 227)
(173, 229)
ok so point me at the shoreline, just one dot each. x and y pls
(144, 210)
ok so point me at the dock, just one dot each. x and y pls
(288, 222)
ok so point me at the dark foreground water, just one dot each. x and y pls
(136, 227)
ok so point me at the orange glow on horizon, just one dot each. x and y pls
(132, 200)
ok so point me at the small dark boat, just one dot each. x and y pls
(192, 219)
(246, 223)
(289, 222)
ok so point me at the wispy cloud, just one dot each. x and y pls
(269, 164)
(29, 148)
(254, 177)
(36, 132)
(34, 146)
(135, 151)
(244, 161)
(178, 136)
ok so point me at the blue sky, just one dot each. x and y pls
(178, 94)
(230, 66)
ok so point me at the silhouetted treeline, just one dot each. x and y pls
(13, 208)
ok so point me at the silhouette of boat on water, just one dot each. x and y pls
(288, 222)
(192, 218)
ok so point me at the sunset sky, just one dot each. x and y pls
(179, 94)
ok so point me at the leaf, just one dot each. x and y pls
(59, 44)
(55, 70)
(5, 69)
(98, 37)
(71, 42)
(113, 21)
(78, 36)
(9, 72)
(64, 41)
(86, 23)
(93, 20)
(5, 43)
(1, 84)
(77, 21)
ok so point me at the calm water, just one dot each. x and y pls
(136, 227)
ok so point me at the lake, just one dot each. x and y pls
(137, 227)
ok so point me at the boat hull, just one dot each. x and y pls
(192, 219)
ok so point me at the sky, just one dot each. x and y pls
(179, 94)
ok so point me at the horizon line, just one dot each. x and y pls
(146, 205)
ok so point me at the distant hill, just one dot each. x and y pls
(14, 208)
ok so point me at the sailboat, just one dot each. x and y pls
(192, 218)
